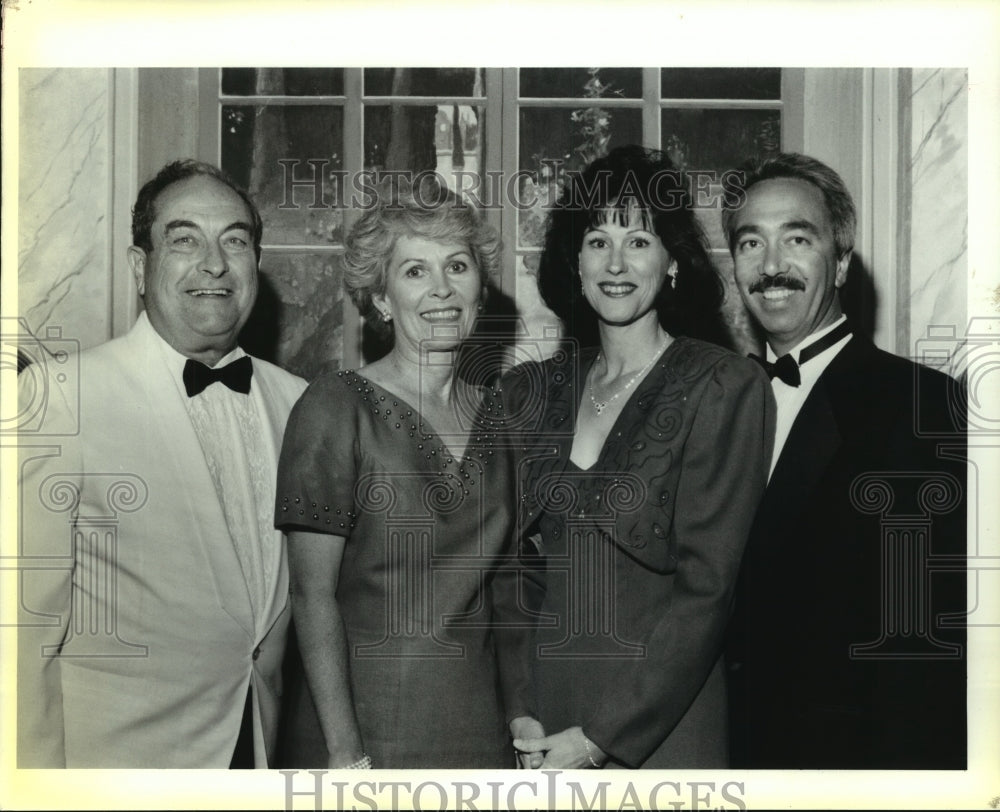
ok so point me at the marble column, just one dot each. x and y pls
(64, 197)
(936, 294)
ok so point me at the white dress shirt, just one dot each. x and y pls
(791, 398)
(230, 432)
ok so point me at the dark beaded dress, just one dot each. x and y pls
(639, 553)
(422, 579)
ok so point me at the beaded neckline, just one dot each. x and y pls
(400, 414)
(462, 473)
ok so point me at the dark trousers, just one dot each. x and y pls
(243, 752)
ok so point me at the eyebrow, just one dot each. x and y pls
(460, 253)
(791, 225)
(239, 225)
(629, 231)
(747, 229)
(800, 225)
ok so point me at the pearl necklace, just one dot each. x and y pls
(601, 405)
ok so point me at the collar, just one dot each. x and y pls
(809, 339)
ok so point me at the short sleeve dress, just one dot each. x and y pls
(640, 552)
(418, 589)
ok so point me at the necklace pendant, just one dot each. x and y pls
(599, 407)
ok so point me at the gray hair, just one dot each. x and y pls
(838, 200)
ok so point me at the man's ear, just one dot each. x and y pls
(137, 264)
(842, 265)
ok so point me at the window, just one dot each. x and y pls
(299, 138)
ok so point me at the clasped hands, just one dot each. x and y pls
(567, 750)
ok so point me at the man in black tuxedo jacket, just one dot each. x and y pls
(847, 647)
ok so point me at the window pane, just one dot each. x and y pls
(298, 200)
(720, 83)
(283, 81)
(548, 83)
(719, 139)
(708, 142)
(445, 138)
(298, 321)
(555, 141)
(423, 82)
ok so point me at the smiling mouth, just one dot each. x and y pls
(448, 314)
(616, 289)
(216, 292)
(777, 294)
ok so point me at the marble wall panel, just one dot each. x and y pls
(64, 194)
(938, 176)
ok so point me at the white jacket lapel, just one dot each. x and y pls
(181, 452)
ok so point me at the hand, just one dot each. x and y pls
(523, 728)
(567, 750)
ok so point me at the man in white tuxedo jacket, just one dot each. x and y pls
(154, 602)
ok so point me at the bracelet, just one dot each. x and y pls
(363, 763)
(590, 756)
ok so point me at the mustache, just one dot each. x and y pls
(781, 280)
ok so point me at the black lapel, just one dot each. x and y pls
(816, 436)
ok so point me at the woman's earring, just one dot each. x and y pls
(387, 317)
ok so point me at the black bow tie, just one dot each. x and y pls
(786, 369)
(236, 376)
